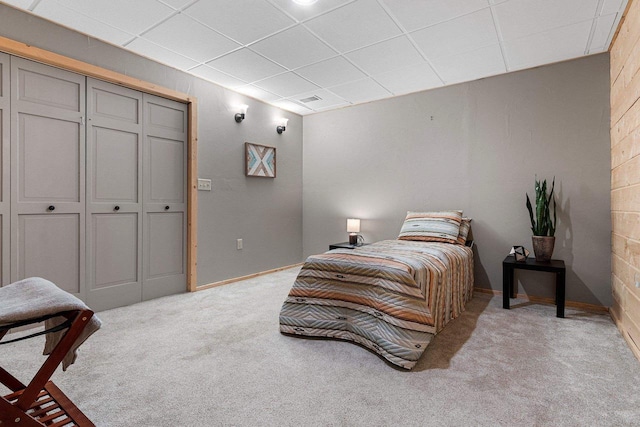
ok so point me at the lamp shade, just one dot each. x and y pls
(353, 225)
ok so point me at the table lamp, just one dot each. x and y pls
(353, 228)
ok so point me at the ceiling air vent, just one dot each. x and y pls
(311, 99)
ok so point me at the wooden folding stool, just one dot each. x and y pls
(41, 403)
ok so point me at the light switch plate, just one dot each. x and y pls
(204, 184)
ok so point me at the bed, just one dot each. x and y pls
(391, 296)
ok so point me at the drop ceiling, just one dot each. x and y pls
(336, 53)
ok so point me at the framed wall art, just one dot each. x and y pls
(259, 160)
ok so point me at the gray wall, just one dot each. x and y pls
(266, 213)
(475, 146)
(480, 152)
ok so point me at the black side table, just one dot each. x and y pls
(554, 266)
(345, 245)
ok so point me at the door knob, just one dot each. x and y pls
(51, 208)
(166, 208)
(117, 208)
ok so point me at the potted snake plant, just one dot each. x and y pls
(542, 225)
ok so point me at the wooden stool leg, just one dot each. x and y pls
(55, 358)
(13, 416)
(11, 382)
(70, 408)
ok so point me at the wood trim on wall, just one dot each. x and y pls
(192, 206)
(543, 300)
(249, 276)
(620, 323)
(50, 58)
(625, 176)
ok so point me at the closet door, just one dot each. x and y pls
(165, 197)
(47, 176)
(5, 189)
(114, 195)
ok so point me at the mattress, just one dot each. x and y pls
(392, 296)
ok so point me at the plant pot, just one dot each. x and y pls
(543, 247)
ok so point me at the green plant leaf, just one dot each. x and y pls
(552, 229)
(533, 221)
(543, 224)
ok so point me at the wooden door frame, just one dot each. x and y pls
(50, 58)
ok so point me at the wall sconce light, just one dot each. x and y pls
(282, 125)
(353, 228)
(242, 110)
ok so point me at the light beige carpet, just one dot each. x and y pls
(216, 358)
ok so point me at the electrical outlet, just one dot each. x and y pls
(204, 184)
(239, 244)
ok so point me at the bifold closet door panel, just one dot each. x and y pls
(114, 195)
(5, 189)
(48, 175)
(165, 197)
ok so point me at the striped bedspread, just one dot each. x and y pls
(392, 296)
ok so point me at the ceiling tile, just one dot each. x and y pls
(328, 49)
(160, 54)
(130, 16)
(285, 104)
(360, 91)
(467, 33)
(176, 4)
(331, 72)
(613, 6)
(416, 14)
(23, 4)
(604, 29)
(246, 65)
(521, 18)
(216, 76)
(614, 26)
(483, 62)
(54, 11)
(256, 92)
(301, 12)
(243, 20)
(327, 99)
(293, 48)
(196, 41)
(355, 25)
(386, 56)
(286, 85)
(409, 79)
(551, 46)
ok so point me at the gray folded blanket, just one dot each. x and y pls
(36, 297)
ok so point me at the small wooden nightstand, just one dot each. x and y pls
(345, 245)
(554, 266)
